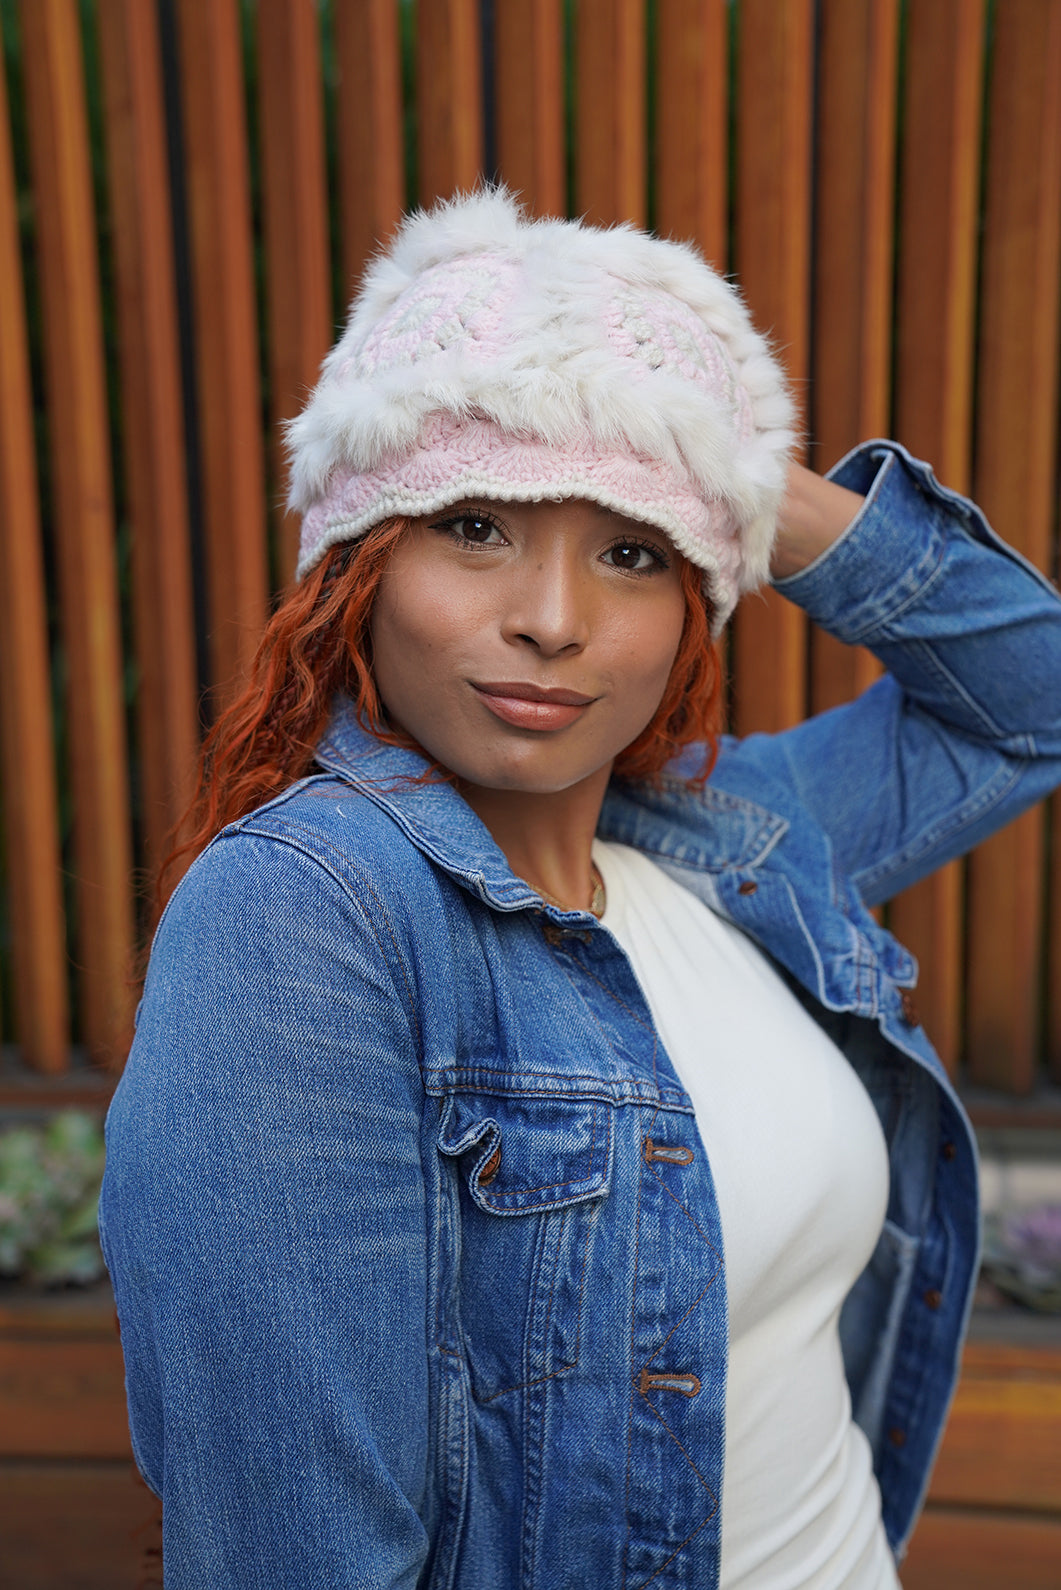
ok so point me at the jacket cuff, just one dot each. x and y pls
(893, 546)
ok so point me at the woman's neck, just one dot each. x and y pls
(546, 839)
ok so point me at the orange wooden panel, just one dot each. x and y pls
(691, 163)
(529, 76)
(1017, 411)
(610, 110)
(772, 248)
(934, 371)
(369, 128)
(31, 830)
(152, 416)
(218, 194)
(937, 257)
(1001, 1448)
(295, 201)
(83, 514)
(854, 233)
(449, 96)
(954, 1549)
(81, 1525)
(62, 1399)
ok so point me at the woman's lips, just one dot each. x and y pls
(530, 707)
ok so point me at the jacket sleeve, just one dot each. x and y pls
(263, 1222)
(964, 730)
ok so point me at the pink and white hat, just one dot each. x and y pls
(488, 356)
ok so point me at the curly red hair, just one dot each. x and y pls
(317, 644)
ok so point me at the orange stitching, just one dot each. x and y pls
(650, 1404)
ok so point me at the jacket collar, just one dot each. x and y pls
(708, 828)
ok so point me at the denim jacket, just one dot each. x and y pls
(415, 1245)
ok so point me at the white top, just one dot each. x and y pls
(801, 1172)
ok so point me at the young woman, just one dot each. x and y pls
(529, 1171)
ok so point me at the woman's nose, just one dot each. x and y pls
(549, 609)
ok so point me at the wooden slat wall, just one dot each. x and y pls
(589, 111)
(934, 375)
(30, 804)
(152, 408)
(83, 516)
(772, 234)
(228, 389)
(858, 65)
(1015, 483)
(295, 207)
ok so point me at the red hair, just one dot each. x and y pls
(317, 643)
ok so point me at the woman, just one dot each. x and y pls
(528, 1171)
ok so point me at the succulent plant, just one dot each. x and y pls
(49, 1195)
(1022, 1256)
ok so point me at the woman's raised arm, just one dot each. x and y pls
(964, 731)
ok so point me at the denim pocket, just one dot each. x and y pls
(530, 1175)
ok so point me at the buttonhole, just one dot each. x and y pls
(687, 1385)
(670, 1153)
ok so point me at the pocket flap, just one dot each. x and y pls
(529, 1153)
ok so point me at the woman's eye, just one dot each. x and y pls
(477, 528)
(636, 557)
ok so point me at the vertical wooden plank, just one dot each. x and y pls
(84, 515)
(229, 405)
(1017, 412)
(940, 158)
(610, 110)
(854, 181)
(772, 244)
(529, 74)
(449, 95)
(369, 128)
(30, 818)
(1053, 956)
(152, 416)
(295, 203)
(692, 107)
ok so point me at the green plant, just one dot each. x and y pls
(49, 1193)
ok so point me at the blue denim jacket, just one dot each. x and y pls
(407, 1248)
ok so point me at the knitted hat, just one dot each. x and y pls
(488, 356)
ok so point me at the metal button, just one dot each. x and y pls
(908, 1006)
(747, 887)
(897, 1437)
(933, 1297)
(948, 1151)
(491, 1168)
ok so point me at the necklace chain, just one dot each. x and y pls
(598, 899)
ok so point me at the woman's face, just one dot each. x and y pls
(523, 646)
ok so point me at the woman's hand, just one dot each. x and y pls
(814, 514)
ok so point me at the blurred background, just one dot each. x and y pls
(189, 190)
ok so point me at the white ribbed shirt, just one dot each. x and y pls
(801, 1172)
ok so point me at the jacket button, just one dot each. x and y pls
(908, 1006)
(933, 1297)
(747, 887)
(948, 1151)
(897, 1437)
(551, 933)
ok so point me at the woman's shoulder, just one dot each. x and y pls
(321, 843)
